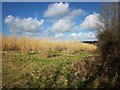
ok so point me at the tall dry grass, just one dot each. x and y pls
(25, 44)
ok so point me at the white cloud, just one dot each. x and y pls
(58, 35)
(66, 15)
(62, 25)
(91, 22)
(75, 12)
(17, 24)
(67, 22)
(83, 36)
(57, 9)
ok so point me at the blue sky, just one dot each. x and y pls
(55, 20)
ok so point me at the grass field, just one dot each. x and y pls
(44, 63)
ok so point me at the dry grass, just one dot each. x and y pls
(26, 44)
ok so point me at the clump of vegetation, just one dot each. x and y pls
(109, 46)
(107, 73)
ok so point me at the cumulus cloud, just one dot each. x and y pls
(91, 22)
(75, 12)
(58, 36)
(66, 17)
(57, 9)
(17, 24)
(66, 23)
(83, 36)
(62, 25)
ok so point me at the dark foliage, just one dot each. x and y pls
(108, 70)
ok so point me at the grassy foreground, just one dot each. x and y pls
(66, 68)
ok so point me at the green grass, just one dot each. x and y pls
(31, 70)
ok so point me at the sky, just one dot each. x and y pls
(53, 20)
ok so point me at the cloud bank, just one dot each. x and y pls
(17, 24)
(83, 36)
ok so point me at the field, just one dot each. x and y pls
(35, 63)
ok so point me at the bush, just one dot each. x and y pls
(109, 46)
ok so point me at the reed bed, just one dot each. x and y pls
(25, 44)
